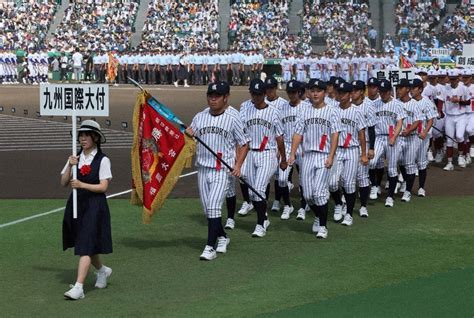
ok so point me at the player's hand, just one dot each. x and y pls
(371, 154)
(292, 159)
(73, 160)
(392, 141)
(328, 163)
(364, 160)
(189, 131)
(404, 133)
(76, 184)
(236, 171)
(283, 165)
(455, 99)
(423, 135)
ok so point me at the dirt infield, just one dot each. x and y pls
(35, 174)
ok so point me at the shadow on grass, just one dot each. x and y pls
(194, 242)
(64, 276)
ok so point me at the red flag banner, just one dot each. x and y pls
(160, 151)
(404, 63)
(112, 67)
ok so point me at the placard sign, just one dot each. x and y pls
(395, 75)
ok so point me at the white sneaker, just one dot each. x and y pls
(462, 161)
(389, 202)
(344, 209)
(102, 276)
(287, 210)
(259, 231)
(439, 157)
(229, 224)
(379, 190)
(301, 214)
(322, 233)
(316, 226)
(307, 208)
(403, 187)
(290, 185)
(186, 85)
(449, 167)
(266, 224)
(373, 193)
(175, 84)
(222, 243)
(347, 220)
(430, 156)
(406, 196)
(245, 209)
(338, 213)
(74, 293)
(387, 185)
(471, 152)
(276, 206)
(421, 192)
(468, 160)
(208, 254)
(363, 212)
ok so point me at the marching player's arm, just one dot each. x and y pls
(295, 143)
(281, 149)
(397, 131)
(242, 152)
(412, 128)
(332, 151)
(363, 143)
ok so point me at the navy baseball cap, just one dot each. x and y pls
(417, 83)
(314, 82)
(344, 87)
(385, 86)
(403, 83)
(358, 85)
(271, 82)
(338, 81)
(373, 82)
(294, 86)
(219, 88)
(257, 86)
(332, 80)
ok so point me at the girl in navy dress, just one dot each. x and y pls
(90, 233)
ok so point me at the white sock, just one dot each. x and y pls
(78, 285)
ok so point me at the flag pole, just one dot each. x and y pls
(209, 149)
(74, 168)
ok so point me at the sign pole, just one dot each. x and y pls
(74, 168)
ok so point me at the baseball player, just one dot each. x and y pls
(389, 115)
(317, 129)
(457, 98)
(351, 149)
(429, 113)
(409, 140)
(438, 137)
(264, 127)
(221, 130)
(365, 104)
(466, 81)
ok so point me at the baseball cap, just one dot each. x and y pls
(465, 72)
(421, 70)
(219, 88)
(345, 87)
(331, 81)
(358, 85)
(384, 85)
(432, 73)
(417, 83)
(271, 82)
(314, 82)
(257, 86)
(338, 81)
(403, 83)
(294, 86)
(442, 72)
(373, 82)
(453, 73)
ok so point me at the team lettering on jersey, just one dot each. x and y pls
(259, 121)
(386, 113)
(213, 130)
(317, 121)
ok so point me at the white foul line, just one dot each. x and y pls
(62, 208)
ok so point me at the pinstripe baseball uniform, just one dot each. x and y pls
(410, 144)
(368, 111)
(429, 111)
(221, 133)
(316, 126)
(387, 115)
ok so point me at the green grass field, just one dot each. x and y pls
(415, 260)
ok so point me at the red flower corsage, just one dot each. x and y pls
(85, 170)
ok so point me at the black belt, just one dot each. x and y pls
(257, 149)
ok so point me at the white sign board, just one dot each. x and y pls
(395, 75)
(468, 49)
(63, 99)
(465, 61)
(439, 52)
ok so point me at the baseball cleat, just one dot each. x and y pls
(373, 193)
(379, 190)
(245, 209)
(387, 185)
(322, 232)
(421, 192)
(315, 227)
(406, 196)
(266, 224)
(229, 224)
(468, 159)
(471, 152)
(347, 220)
(403, 187)
(222, 243)
(301, 214)
(102, 276)
(74, 293)
(337, 213)
(462, 161)
(259, 231)
(430, 156)
(389, 202)
(287, 210)
(449, 167)
(363, 212)
(276, 206)
(208, 254)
